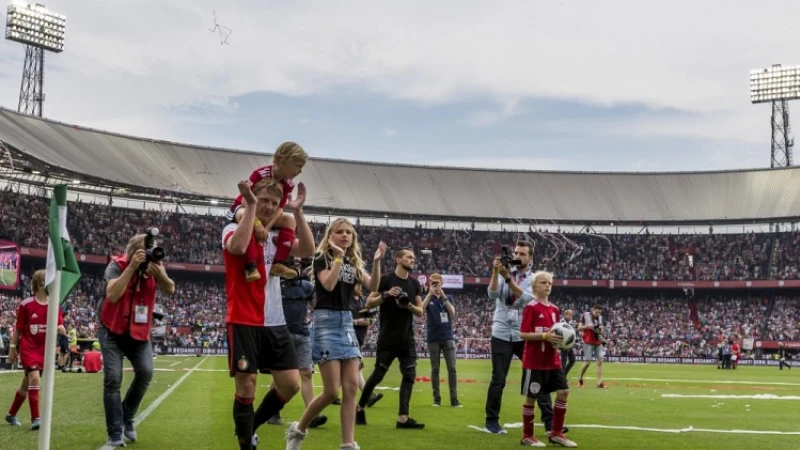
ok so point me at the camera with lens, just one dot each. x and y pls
(598, 333)
(402, 300)
(158, 312)
(507, 259)
(153, 253)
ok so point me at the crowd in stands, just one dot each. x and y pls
(659, 324)
(98, 229)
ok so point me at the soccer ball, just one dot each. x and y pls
(567, 334)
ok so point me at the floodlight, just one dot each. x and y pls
(35, 25)
(776, 83)
(40, 30)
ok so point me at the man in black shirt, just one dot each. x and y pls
(399, 298)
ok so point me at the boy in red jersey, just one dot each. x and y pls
(287, 163)
(29, 338)
(541, 362)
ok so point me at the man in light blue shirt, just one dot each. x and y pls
(511, 290)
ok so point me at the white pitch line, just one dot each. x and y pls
(670, 380)
(178, 362)
(149, 410)
(688, 429)
(743, 397)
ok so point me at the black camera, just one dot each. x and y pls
(598, 333)
(152, 252)
(158, 312)
(402, 300)
(506, 259)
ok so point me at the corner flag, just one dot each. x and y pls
(60, 254)
(60, 278)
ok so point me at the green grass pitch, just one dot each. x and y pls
(197, 414)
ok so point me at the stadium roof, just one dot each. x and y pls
(352, 187)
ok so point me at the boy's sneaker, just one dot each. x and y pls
(353, 446)
(294, 437)
(437, 403)
(601, 385)
(337, 402)
(493, 426)
(361, 417)
(13, 421)
(275, 420)
(456, 404)
(318, 421)
(531, 442)
(115, 440)
(580, 382)
(254, 441)
(251, 272)
(562, 440)
(374, 398)
(129, 432)
(282, 271)
(35, 424)
(410, 424)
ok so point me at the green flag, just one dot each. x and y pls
(60, 254)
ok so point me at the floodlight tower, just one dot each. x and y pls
(39, 29)
(777, 85)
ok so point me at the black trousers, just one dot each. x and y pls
(502, 354)
(407, 356)
(567, 360)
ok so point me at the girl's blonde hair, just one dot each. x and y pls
(353, 253)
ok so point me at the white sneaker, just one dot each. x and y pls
(353, 446)
(254, 440)
(562, 440)
(532, 442)
(294, 437)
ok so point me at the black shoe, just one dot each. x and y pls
(318, 421)
(456, 404)
(337, 402)
(493, 426)
(374, 398)
(410, 424)
(361, 417)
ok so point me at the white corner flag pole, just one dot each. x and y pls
(49, 369)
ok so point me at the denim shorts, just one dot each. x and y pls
(334, 337)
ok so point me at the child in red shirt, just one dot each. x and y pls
(287, 163)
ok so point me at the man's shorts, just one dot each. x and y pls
(302, 348)
(535, 382)
(592, 352)
(63, 344)
(253, 349)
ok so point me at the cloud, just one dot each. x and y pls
(140, 75)
(389, 131)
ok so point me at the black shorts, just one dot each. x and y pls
(254, 349)
(63, 344)
(535, 382)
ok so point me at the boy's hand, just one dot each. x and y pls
(298, 202)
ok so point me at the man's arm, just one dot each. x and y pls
(449, 305)
(118, 279)
(237, 244)
(165, 283)
(303, 246)
(495, 287)
(373, 301)
(427, 300)
(416, 307)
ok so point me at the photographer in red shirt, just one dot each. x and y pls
(124, 332)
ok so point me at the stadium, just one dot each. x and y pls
(683, 265)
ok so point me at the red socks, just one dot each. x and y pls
(19, 399)
(559, 414)
(33, 399)
(527, 421)
(284, 244)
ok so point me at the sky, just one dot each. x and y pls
(541, 85)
